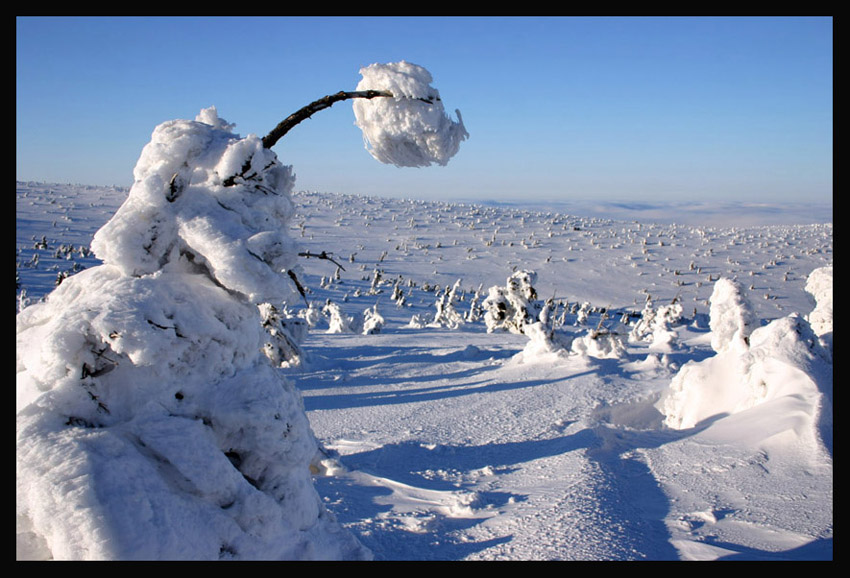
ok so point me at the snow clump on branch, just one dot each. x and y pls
(411, 128)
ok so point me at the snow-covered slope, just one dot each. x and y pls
(622, 432)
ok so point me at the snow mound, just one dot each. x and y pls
(405, 130)
(599, 344)
(780, 363)
(150, 423)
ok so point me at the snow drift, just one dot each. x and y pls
(781, 363)
(150, 425)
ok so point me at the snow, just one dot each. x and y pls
(664, 391)
(405, 130)
(151, 420)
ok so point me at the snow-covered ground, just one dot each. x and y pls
(669, 439)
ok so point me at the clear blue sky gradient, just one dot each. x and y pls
(558, 108)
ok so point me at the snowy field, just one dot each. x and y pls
(629, 437)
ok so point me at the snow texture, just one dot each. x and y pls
(405, 130)
(609, 428)
(178, 397)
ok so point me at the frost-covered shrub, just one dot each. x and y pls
(513, 306)
(601, 344)
(543, 343)
(655, 325)
(338, 320)
(150, 424)
(446, 312)
(419, 321)
(373, 321)
(731, 316)
(285, 334)
(312, 315)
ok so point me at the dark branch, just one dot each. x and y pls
(298, 285)
(326, 102)
(306, 112)
(322, 255)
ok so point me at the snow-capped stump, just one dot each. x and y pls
(411, 129)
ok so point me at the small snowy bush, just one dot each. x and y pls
(373, 321)
(513, 306)
(599, 344)
(338, 320)
(655, 325)
(446, 312)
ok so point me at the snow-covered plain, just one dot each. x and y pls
(444, 441)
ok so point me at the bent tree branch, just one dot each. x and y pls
(325, 102)
(306, 112)
(286, 125)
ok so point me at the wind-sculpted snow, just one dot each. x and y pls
(181, 207)
(608, 428)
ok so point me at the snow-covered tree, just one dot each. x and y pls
(655, 324)
(152, 421)
(373, 321)
(446, 313)
(513, 306)
(731, 316)
(338, 320)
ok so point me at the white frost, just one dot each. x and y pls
(404, 130)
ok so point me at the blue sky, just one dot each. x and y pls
(630, 109)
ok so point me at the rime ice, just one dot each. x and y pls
(404, 130)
